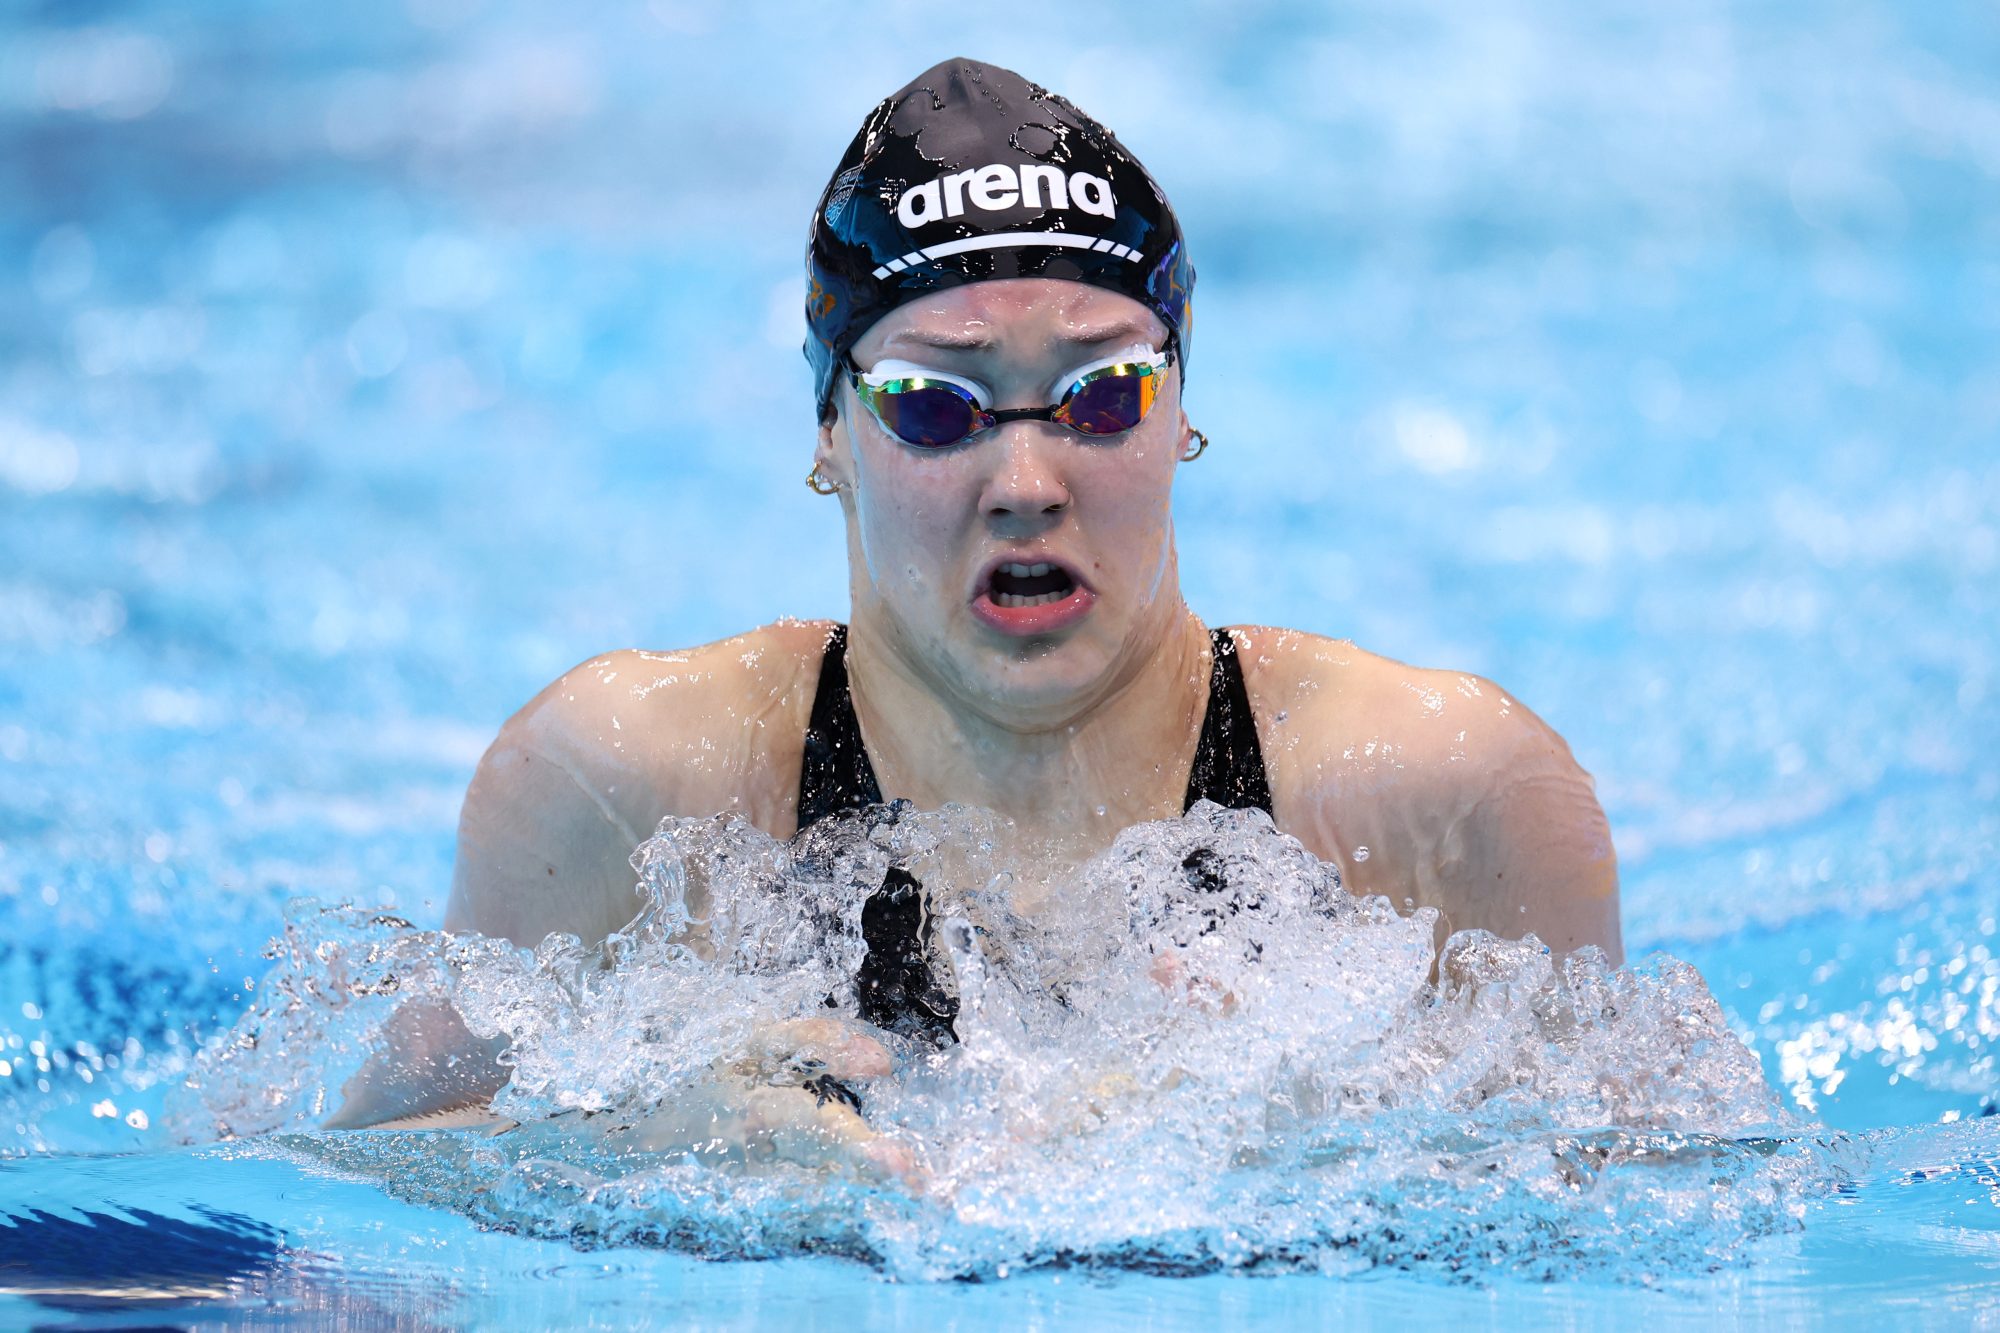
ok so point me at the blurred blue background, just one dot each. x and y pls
(362, 367)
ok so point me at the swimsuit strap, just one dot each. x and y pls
(1228, 762)
(896, 987)
(835, 774)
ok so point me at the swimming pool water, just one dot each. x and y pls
(360, 375)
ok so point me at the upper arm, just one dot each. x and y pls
(1526, 847)
(545, 835)
(1435, 788)
(542, 847)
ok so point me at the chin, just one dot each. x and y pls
(1044, 678)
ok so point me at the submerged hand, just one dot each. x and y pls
(429, 1063)
(1170, 971)
(787, 1099)
(829, 1046)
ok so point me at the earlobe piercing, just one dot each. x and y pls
(1200, 446)
(819, 485)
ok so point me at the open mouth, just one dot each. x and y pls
(1031, 598)
(1016, 585)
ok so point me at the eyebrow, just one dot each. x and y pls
(950, 340)
(1124, 329)
(943, 340)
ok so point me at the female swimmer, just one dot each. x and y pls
(998, 305)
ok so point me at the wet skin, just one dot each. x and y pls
(1433, 788)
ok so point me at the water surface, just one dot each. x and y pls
(359, 377)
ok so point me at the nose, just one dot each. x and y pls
(1027, 481)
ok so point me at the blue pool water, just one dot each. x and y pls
(356, 377)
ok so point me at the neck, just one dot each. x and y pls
(1073, 771)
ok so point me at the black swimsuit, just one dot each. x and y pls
(896, 987)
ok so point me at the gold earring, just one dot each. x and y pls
(1200, 446)
(819, 485)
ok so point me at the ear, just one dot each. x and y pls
(832, 453)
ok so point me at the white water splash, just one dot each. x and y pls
(1195, 1050)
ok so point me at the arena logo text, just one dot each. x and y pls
(1000, 186)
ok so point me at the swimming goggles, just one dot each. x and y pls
(934, 410)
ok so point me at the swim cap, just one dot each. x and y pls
(971, 173)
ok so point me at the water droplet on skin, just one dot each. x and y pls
(1361, 853)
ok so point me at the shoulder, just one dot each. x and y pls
(622, 705)
(588, 767)
(1463, 797)
(760, 662)
(1334, 705)
(690, 731)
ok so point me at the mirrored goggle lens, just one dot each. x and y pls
(1111, 400)
(928, 415)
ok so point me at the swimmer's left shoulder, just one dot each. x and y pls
(1344, 729)
(1333, 692)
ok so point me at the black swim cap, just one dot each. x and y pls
(971, 173)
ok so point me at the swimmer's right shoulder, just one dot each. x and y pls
(696, 729)
(588, 768)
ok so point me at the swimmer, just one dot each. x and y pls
(998, 306)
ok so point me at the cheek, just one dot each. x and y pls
(1129, 517)
(909, 513)
(1130, 489)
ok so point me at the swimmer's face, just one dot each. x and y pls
(947, 544)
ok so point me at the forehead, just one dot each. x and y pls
(1015, 311)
